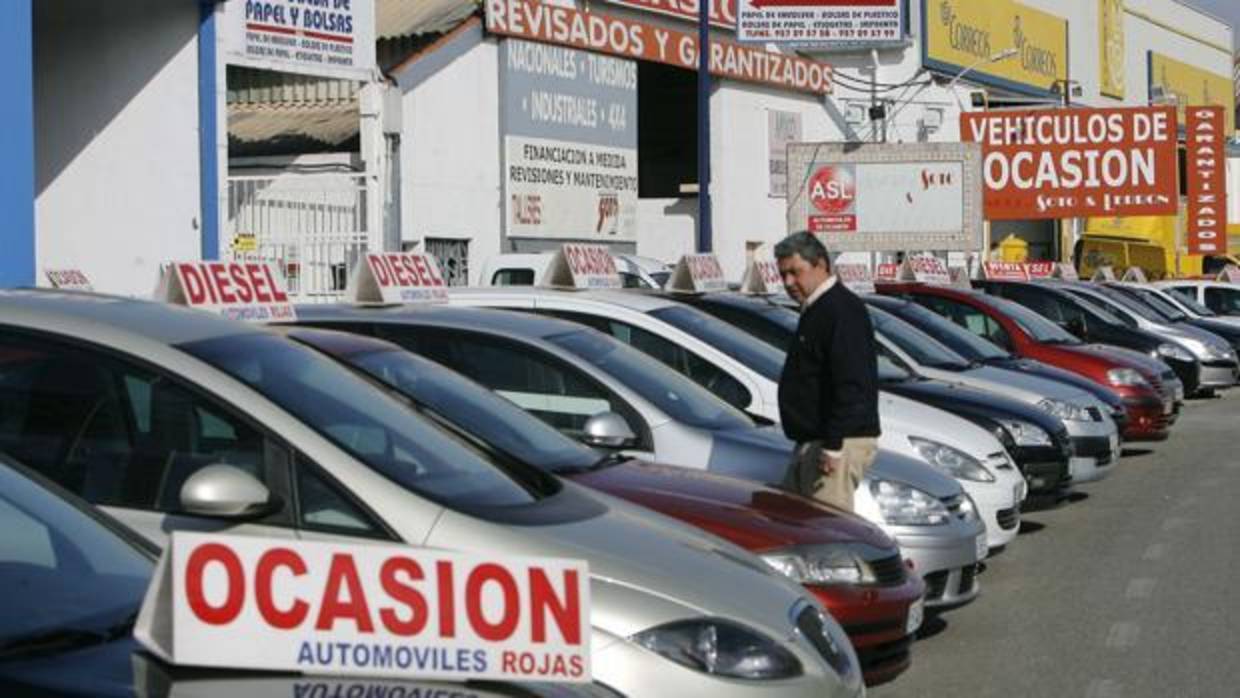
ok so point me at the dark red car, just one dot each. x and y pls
(1150, 402)
(854, 568)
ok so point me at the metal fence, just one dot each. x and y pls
(312, 226)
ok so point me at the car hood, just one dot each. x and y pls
(968, 401)
(1109, 352)
(645, 569)
(1054, 373)
(753, 516)
(1031, 388)
(904, 417)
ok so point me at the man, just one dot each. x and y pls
(828, 392)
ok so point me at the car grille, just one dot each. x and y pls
(1095, 414)
(1009, 518)
(936, 584)
(967, 576)
(1000, 461)
(810, 623)
(889, 571)
(953, 506)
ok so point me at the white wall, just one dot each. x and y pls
(450, 156)
(116, 122)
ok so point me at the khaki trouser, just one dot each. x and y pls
(837, 488)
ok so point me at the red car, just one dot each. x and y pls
(1149, 405)
(854, 568)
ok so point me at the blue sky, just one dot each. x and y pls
(1225, 9)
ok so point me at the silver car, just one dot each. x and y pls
(598, 389)
(172, 418)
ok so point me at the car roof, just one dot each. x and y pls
(508, 322)
(1205, 283)
(78, 313)
(640, 301)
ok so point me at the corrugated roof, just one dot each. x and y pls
(327, 123)
(396, 18)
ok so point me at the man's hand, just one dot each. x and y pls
(830, 462)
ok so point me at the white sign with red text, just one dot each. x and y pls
(1104, 274)
(698, 273)
(887, 271)
(1230, 274)
(1041, 269)
(68, 279)
(1135, 275)
(926, 269)
(378, 610)
(877, 197)
(821, 23)
(762, 276)
(1006, 271)
(395, 278)
(1067, 272)
(251, 291)
(856, 276)
(582, 266)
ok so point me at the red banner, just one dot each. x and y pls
(1076, 163)
(1207, 181)
(626, 38)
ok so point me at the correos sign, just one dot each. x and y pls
(962, 34)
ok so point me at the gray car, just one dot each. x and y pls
(593, 387)
(175, 419)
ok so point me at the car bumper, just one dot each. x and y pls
(1188, 372)
(998, 505)
(1218, 375)
(877, 620)
(1045, 469)
(1095, 449)
(635, 671)
(945, 557)
(1149, 419)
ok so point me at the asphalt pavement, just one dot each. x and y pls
(1131, 590)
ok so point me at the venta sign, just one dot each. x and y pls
(249, 291)
(1076, 163)
(378, 610)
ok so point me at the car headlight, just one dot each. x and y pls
(821, 564)
(968, 508)
(720, 647)
(903, 505)
(829, 640)
(950, 461)
(1219, 352)
(1172, 351)
(1125, 377)
(1066, 411)
(1026, 434)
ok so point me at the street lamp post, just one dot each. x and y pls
(705, 236)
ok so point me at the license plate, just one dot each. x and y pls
(983, 548)
(1168, 407)
(916, 614)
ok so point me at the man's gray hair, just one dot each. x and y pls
(805, 244)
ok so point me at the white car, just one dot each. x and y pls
(1095, 438)
(1185, 301)
(1219, 296)
(171, 418)
(529, 269)
(745, 373)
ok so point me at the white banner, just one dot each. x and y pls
(328, 38)
(242, 602)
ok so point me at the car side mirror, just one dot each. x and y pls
(608, 430)
(226, 492)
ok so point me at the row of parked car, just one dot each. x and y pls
(633, 429)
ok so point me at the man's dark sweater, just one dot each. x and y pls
(829, 388)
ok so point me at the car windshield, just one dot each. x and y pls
(476, 410)
(1039, 328)
(677, 396)
(69, 579)
(890, 372)
(955, 337)
(1185, 300)
(1160, 305)
(363, 421)
(1122, 301)
(753, 353)
(923, 348)
(1096, 309)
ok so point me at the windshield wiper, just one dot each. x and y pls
(608, 460)
(64, 639)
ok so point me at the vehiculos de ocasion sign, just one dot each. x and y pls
(332, 38)
(250, 291)
(396, 277)
(570, 142)
(825, 23)
(626, 38)
(874, 197)
(1207, 181)
(243, 602)
(1076, 163)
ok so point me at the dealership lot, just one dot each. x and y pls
(1127, 592)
